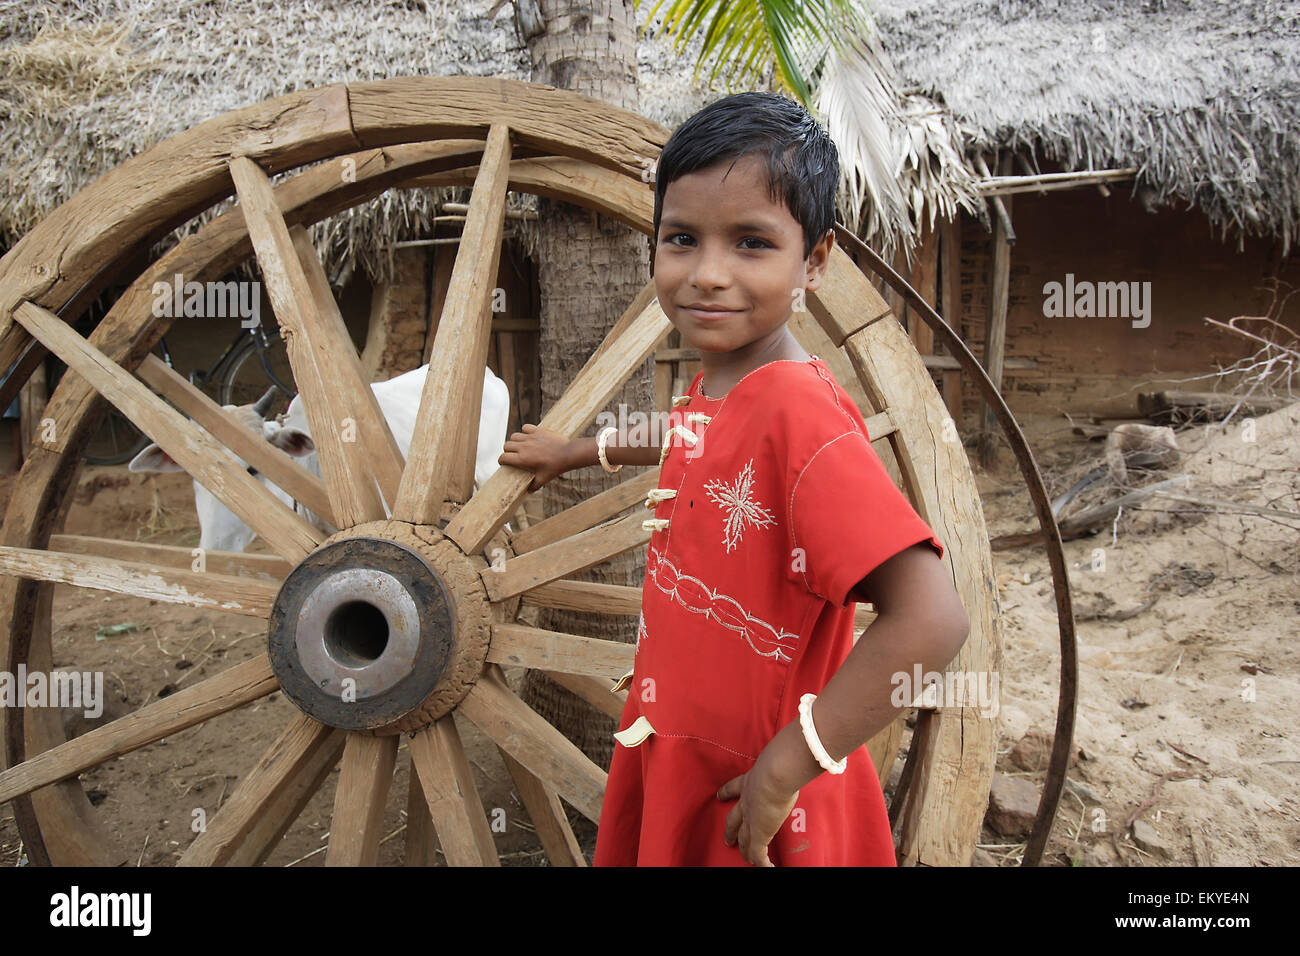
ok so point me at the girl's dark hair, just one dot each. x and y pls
(802, 164)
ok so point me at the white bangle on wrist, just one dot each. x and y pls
(600, 449)
(814, 742)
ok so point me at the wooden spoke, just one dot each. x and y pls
(880, 426)
(625, 348)
(546, 812)
(210, 464)
(525, 735)
(262, 791)
(597, 598)
(574, 553)
(446, 428)
(372, 430)
(536, 647)
(419, 825)
(243, 441)
(364, 779)
(173, 556)
(586, 596)
(589, 513)
(330, 398)
(438, 757)
(209, 591)
(230, 689)
(287, 805)
(594, 690)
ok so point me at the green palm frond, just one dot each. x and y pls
(742, 39)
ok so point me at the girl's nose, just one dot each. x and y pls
(710, 270)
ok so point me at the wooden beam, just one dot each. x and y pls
(216, 695)
(243, 441)
(364, 779)
(575, 553)
(446, 429)
(329, 398)
(438, 757)
(202, 456)
(233, 563)
(587, 513)
(925, 278)
(526, 736)
(995, 336)
(520, 645)
(626, 346)
(212, 592)
(261, 791)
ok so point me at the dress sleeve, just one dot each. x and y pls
(847, 518)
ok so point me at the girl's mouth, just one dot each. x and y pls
(708, 313)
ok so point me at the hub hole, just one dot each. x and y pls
(356, 634)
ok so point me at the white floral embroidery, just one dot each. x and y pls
(737, 501)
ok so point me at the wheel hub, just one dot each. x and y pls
(383, 628)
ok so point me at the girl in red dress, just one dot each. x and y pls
(772, 518)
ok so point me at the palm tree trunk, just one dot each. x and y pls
(590, 268)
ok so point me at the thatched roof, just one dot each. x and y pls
(1202, 95)
(84, 86)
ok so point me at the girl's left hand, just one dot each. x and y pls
(762, 807)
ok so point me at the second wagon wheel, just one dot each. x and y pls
(446, 620)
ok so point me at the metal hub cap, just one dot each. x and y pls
(365, 632)
(358, 625)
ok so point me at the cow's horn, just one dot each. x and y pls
(263, 404)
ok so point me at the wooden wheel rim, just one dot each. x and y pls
(603, 153)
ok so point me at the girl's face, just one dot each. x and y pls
(729, 262)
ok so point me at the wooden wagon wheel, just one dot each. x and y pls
(451, 617)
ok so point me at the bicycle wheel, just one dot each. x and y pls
(253, 368)
(117, 439)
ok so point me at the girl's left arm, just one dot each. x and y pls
(920, 621)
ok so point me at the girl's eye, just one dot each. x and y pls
(678, 239)
(757, 243)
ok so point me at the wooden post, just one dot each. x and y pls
(31, 408)
(996, 328)
(925, 276)
(395, 338)
(950, 305)
(895, 301)
(443, 260)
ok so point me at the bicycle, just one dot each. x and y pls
(233, 379)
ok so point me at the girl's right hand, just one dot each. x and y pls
(543, 452)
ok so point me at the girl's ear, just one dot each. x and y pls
(818, 261)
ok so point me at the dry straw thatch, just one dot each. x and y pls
(84, 86)
(1201, 94)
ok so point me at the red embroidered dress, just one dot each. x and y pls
(772, 506)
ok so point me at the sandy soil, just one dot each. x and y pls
(1188, 676)
(1188, 708)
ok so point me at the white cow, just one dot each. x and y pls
(220, 529)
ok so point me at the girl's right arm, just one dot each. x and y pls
(549, 455)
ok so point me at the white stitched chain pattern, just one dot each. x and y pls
(659, 494)
(694, 595)
(689, 436)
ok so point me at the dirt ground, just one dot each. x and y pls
(1187, 679)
